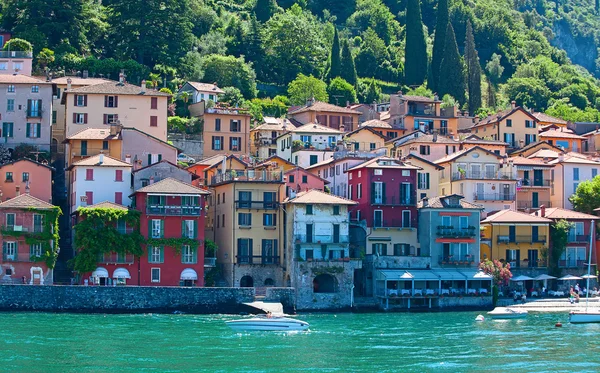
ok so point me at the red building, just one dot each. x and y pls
(26, 240)
(172, 215)
(4, 37)
(385, 189)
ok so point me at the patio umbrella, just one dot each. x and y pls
(570, 278)
(521, 278)
(544, 278)
(589, 276)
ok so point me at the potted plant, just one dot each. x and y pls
(462, 172)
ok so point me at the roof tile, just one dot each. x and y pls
(26, 201)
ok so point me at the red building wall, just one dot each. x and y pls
(6, 36)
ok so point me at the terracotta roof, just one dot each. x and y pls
(94, 134)
(117, 89)
(157, 163)
(272, 158)
(522, 161)
(576, 158)
(95, 161)
(547, 118)
(545, 153)
(560, 134)
(149, 136)
(314, 196)
(315, 128)
(511, 216)
(211, 161)
(543, 144)
(171, 186)
(497, 117)
(441, 202)
(274, 124)
(429, 139)
(227, 158)
(106, 205)
(25, 201)
(474, 139)
(26, 160)
(376, 123)
(304, 170)
(20, 79)
(418, 98)
(76, 80)
(460, 153)
(376, 163)
(322, 163)
(560, 213)
(373, 130)
(413, 156)
(324, 106)
(206, 87)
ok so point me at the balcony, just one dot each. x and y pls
(526, 263)
(321, 239)
(524, 205)
(494, 196)
(259, 205)
(33, 113)
(210, 262)
(572, 263)
(173, 210)
(16, 54)
(522, 239)
(257, 259)
(429, 111)
(265, 142)
(578, 238)
(114, 258)
(451, 232)
(316, 146)
(254, 176)
(535, 183)
(391, 223)
(482, 176)
(226, 110)
(394, 201)
(449, 261)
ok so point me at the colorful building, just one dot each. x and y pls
(328, 115)
(515, 126)
(421, 113)
(226, 130)
(569, 171)
(300, 180)
(333, 170)
(534, 181)
(564, 139)
(263, 138)
(428, 177)
(201, 92)
(309, 144)
(365, 139)
(26, 176)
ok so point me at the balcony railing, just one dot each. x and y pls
(522, 239)
(494, 196)
(259, 205)
(265, 142)
(483, 175)
(579, 238)
(321, 239)
(522, 205)
(572, 263)
(394, 201)
(34, 113)
(16, 54)
(535, 183)
(114, 258)
(257, 259)
(174, 210)
(428, 111)
(255, 176)
(526, 263)
(10, 257)
(457, 260)
(210, 262)
(16, 228)
(451, 232)
(391, 223)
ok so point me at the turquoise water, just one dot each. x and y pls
(394, 342)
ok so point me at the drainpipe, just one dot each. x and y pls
(352, 296)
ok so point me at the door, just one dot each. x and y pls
(336, 233)
(506, 192)
(480, 191)
(535, 202)
(475, 172)
(532, 258)
(538, 178)
(526, 180)
(534, 234)
(446, 251)
(378, 218)
(84, 148)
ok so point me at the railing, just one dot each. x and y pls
(16, 54)
(394, 201)
(232, 111)
(257, 259)
(259, 205)
(265, 142)
(443, 131)
(522, 239)
(572, 263)
(526, 263)
(114, 258)
(451, 232)
(10, 257)
(317, 146)
(16, 228)
(174, 210)
(535, 182)
(522, 205)
(456, 261)
(34, 113)
(483, 175)
(494, 196)
(210, 262)
(429, 111)
(268, 176)
(583, 238)
(321, 239)
(390, 223)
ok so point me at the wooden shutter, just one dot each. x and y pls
(116, 101)
(74, 100)
(427, 180)
(149, 228)
(119, 198)
(153, 121)
(230, 142)
(39, 107)
(160, 157)
(105, 120)
(28, 130)
(161, 250)
(39, 130)
(4, 250)
(16, 251)
(195, 225)
(84, 100)
(240, 144)
(153, 103)
(162, 228)
(105, 101)
(373, 192)
(74, 118)
(149, 248)
(183, 228)
(85, 118)
(149, 159)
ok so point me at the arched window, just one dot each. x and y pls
(324, 283)
(269, 282)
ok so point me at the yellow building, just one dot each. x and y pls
(428, 178)
(533, 182)
(276, 162)
(263, 138)
(531, 149)
(515, 237)
(548, 120)
(328, 115)
(515, 126)
(226, 130)
(93, 141)
(365, 139)
(245, 222)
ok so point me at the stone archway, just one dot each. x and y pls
(247, 282)
(37, 276)
(325, 283)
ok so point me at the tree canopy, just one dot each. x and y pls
(587, 196)
(306, 87)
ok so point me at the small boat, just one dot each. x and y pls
(264, 323)
(507, 313)
(480, 318)
(584, 317)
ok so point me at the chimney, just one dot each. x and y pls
(143, 86)
(436, 97)
(18, 190)
(121, 78)
(543, 211)
(513, 104)
(86, 74)
(115, 129)
(27, 189)
(128, 158)
(342, 127)
(69, 84)
(151, 181)
(101, 159)
(374, 106)
(561, 157)
(435, 137)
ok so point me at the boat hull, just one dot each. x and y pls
(280, 324)
(582, 317)
(507, 314)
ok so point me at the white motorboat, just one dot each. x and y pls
(583, 317)
(264, 323)
(507, 313)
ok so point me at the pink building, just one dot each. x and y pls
(299, 180)
(26, 176)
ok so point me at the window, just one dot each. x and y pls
(305, 139)
(111, 118)
(244, 199)
(25, 176)
(157, 228)
(10, 221)
(10, 250)
(378, 218)
(530, 124)
(217, 143)
(575, 186)
(118, 175)
(9, 177)
(53, 116)
(309, 209)
(332, 141)
(304, 179)
(594, 172)
(463, 222)
(235, 143)
(154, 103)
(153, 121)
(269, 220)
(269, 252)
(378, 192)
(314, 159)
(235, 125)
(359, 191)
(89, 174)
(337, 170)
(336, 210)
(18, 66)
(3, 65)
(350, 191)
(10, 104)
(509, 123)
(79, 118)
(155, 254)
(38, 224)
(7, 129)
(379, 248)
(244, 219)
(423, 179)
(11, 88)
(104, 145)
(529, 139)
(155, 274)
(424, 149)
(80, 100)
(89, 198)
(576, 173)
(291, 178)
(218, 125)
(372, 146)
(33, 130)
(119, 198)
(35, 89)
(244, 252)
(111, 101)
(188, 229)
(406, 219)
(269, 200)
(35, 250)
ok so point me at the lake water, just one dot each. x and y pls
(394, 342)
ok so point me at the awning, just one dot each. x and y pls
(451, 275)
(394, 275)
(100, 272)
(189, 274)
(380, 238)
(476, 275)
(121, 273)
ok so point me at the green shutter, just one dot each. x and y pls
(160, 157)
(195, 229)
(194, 255)
(4, 250)
(28, 130)
(275, 249)
(149, 249)
(16, 251)
(383, 193)
(39, 130)
(149, 228)
(162, 228)
(427, 180)
(149, 159)
(372, 192)
(183, 228)
(162, 254)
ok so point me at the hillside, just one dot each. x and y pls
(542, 53)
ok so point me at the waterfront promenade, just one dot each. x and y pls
(550, 304)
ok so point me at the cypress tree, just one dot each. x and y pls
(415, 66)
(452, 71)
(473, 71)
(264, 9)
(334, 58)
(347, 66)
(438, 44)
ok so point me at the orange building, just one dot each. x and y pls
(26, 176)
(563, 138)
(226, 130)
(332, 116)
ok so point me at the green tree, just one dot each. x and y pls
(375, 15)
(334, 58)
(235, 37)
(16, 44)
(340, 92)
(587, 196)
(528, 92)
(559, 232)
(264, 9)
(452, 70)
(347, 66)
(415, 67)
(372, 92)
(494, 68)
(438, 43)
(228, 71)
(45, 58)
(473, 71)
(232, 96)
(305, 87)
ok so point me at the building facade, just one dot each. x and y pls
(328, 115)
(26, 176)
(226, 131)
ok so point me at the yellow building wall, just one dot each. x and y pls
(498, 250)
(365, 138)
(94, 147)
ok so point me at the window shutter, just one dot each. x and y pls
(230, 142)
(195, 229)
(105, 101)
(16, 251)
(275, 248)
(231, 125)
(183, 228)
(149, 248)
(427, 180)
(213, 143)
(265, 220)
(74, 118)
(105, 119)
(153, 103)
(28, 130)
(84, 100)
(149, 228)
(116, 101)
(239, 240)
(162, 254)
(162, 228)
(74, 100)
(372, 192)
(383, 192)
(149, 159)
(240, 144)
(160, 157)
(4, 250)
(250, 248)
(39, 130)
(39, 107)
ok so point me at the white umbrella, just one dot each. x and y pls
(589, 276)
(544, 277)
(569, 278)
(521, 278)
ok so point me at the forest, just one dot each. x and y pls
(269, 54)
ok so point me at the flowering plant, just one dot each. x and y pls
(498, 270)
